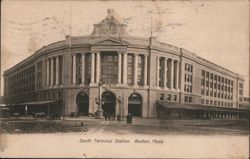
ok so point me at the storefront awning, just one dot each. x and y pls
(170, 105)
(38, 102)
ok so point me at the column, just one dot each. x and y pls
(165, 72)
(74, 69)
(145, 70)
(135, 69)
(57, 70)
(177, 74)
(92, 68)
(48, 60)
(97, 67)
(51, 72)
(172, 74)
(119, 68)
(157, 71)
(125, 67)
(83, 68)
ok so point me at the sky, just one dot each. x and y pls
(215, 30)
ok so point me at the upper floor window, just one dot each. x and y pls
(188, 67)
(241, 85)
(203, 73)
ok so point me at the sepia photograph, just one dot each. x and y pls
(124, 79)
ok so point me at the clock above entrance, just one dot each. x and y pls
(110, 26)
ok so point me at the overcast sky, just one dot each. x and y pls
(217, 30)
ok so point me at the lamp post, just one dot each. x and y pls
(99, 101)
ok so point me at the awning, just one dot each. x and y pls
(170, 105)
(38, 102)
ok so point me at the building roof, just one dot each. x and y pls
(38, 102)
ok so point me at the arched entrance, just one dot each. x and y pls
(82, 101)
(109, 102)
(135, 104)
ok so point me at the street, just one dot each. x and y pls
(139, 126)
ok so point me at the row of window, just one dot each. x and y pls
(168, 97)
(214, 85)
(109, 68)
(21, 82)
(217, 94)
(52, 83)
(49, 95)
(39, 75)
(165, 72)
(188, 78)
(188, 99)
(215, 77)
(216, 103)
(188, 88)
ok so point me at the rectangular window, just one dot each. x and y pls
(211, 93)
(190, 99)
(140, 70)
(175, 97)
(207, 92)
(202, 101)
(211, 102)
(161, 96)
(241, 92)
(211, 76)
(202, 82)
(130, 69)
(207, 74)
(169, 97)
(241, 85)
(202, 91)
(203, 73)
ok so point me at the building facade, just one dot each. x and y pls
(118, 73)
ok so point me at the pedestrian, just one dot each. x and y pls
(108, 114)
(129, 118)
(113, 116)
(118, 117)
(105, 115)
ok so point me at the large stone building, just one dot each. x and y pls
(120, 73)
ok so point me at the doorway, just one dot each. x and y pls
(109, 102)
(135, 104)
(82, 101)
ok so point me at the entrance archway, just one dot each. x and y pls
(135, 104)
(82, 101)
(109, 101)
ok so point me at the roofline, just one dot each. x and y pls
(149, 39)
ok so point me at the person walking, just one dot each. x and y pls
(129, 118)
(105, 115)
(118, 117)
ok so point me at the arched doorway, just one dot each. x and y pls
(135, 104)
(109, 102)
(82, 101)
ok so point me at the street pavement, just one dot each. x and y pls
(142, 125)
